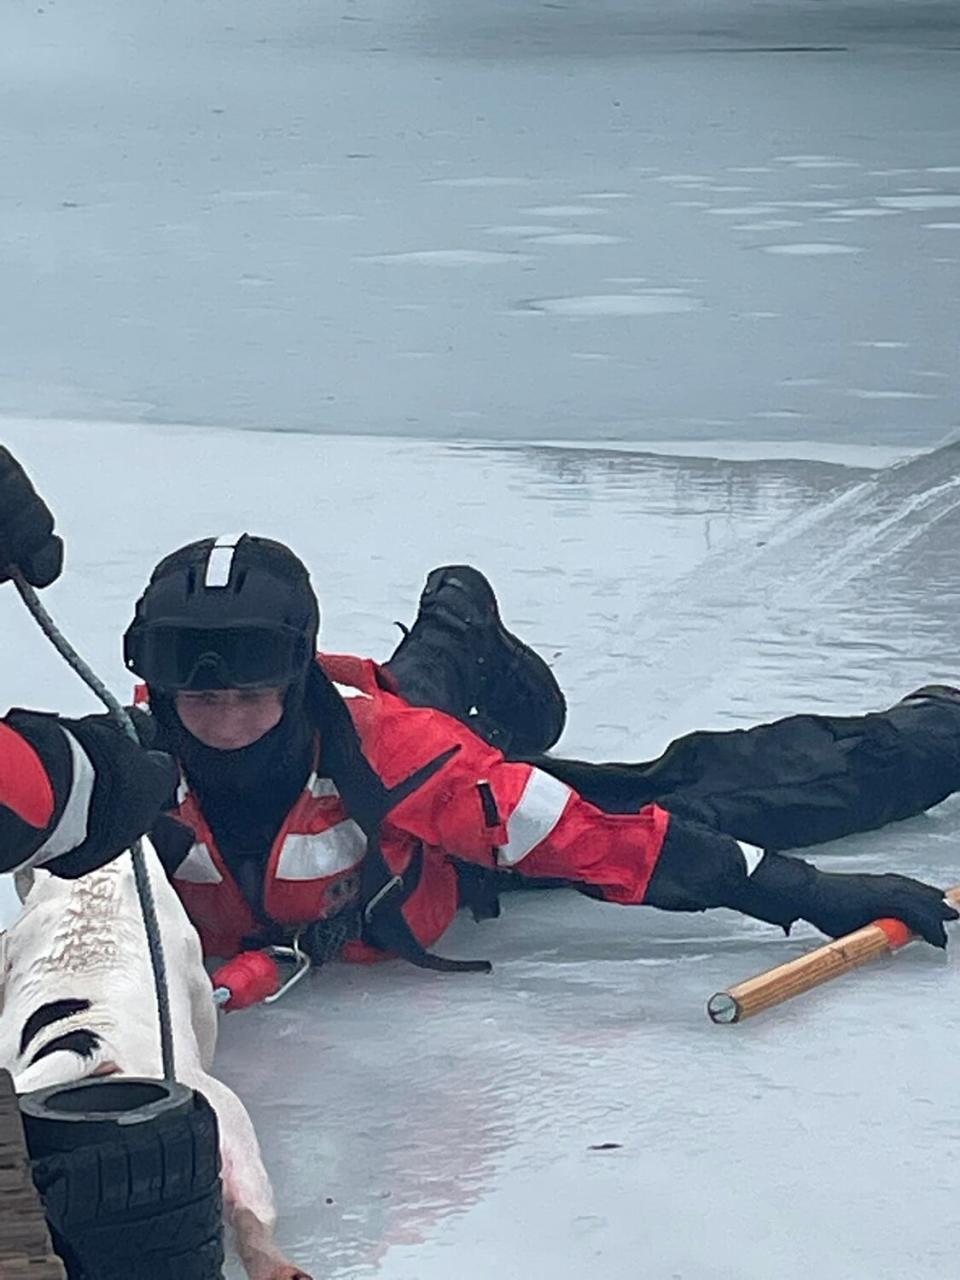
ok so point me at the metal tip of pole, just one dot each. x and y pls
(723, 1008)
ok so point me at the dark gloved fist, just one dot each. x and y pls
(27, 540)
(108, 792)
(841, 903)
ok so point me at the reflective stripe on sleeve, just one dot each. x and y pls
(72, 828)
(541, 805)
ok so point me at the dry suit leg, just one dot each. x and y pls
(798, 781)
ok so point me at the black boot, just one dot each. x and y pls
(460, 658)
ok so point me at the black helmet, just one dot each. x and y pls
(236, 611)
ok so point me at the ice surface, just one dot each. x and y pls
(419, 1126)
(284, 215)
(200, 197)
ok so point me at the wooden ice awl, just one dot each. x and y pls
(796, 976)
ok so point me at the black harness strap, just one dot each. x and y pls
(383, 893)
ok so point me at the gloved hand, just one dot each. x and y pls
(783, 890)
(839, 903)
(27, 540)
(108, 789)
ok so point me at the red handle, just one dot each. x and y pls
(249, 977)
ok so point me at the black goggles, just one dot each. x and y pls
(246, 657)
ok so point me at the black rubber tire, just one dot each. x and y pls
(63, 1117)
(146, 1204)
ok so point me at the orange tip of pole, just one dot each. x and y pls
(895, 931)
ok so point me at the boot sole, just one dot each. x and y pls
(547, 696)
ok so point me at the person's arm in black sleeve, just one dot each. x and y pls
(698, 868)
(75, 793)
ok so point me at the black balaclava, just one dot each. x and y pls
(245, 794)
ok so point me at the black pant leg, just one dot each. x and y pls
(798, 781)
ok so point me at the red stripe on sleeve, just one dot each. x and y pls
(24, 785)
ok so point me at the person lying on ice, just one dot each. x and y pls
(334, 798)
(73, 794)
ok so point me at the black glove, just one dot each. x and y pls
(782, 890)
(27, 540)
(103, 802)
(841, 903)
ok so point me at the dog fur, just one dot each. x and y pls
(77, 1000)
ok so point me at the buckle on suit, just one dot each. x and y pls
(301, 962)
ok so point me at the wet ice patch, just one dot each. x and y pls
(941, 226)
(749, 168)
(481, 181)
(685, 179)
(861, 393)
(606, 195)
(563, 211)
(447, 258)
(575, 238)
(742, 211)
(519, 229)
(883, 344)
(815, 249)
(862, 213)
(244, 196)
(817, 162)
(811, 204)
(615, 304)
(771, 224)
(944, 168)
(921, 202)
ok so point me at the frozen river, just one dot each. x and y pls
(510, 218)
(709, 250)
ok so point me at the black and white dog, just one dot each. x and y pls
(76, 1000)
